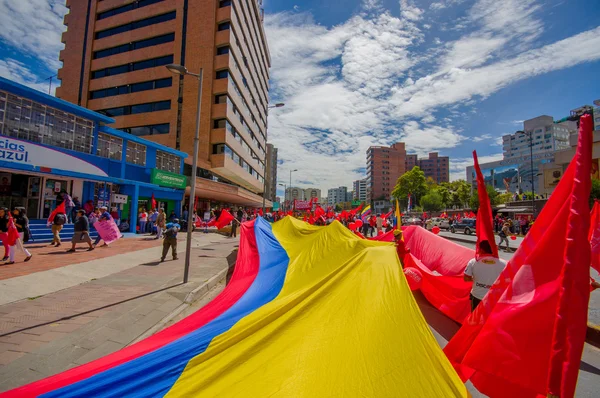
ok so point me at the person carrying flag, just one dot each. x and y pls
(483, 272)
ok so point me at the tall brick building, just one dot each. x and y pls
(384, 166)
(436, 167)
(114, 62)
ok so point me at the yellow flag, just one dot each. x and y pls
(398, 215)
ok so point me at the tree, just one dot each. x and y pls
(432, 201)
(338, 208)
(492, 194)
(444, 194)
(464, 192)
(412, 182)
(503, 198)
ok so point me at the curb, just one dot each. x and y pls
(190, 298)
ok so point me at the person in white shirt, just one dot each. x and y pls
(483, 273)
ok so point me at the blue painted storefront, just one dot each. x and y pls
(20, 155)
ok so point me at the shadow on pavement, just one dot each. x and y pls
(90, 311)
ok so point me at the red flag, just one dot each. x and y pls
(153, 202)
(319, 211)
(13, 234)
(574, 294)
(59, 209)
(594, 235)
(504, 346)
(485, 222)
(224, 219)
(260, 212)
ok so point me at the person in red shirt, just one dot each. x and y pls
(372, 224)
(400, 246)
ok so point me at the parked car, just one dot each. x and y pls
(442, 223)
(414, 221)
(466, 225)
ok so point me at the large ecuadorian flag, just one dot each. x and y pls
(309, 312)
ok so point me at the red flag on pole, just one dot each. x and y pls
(153, 202)
(59, 209)
(224, 219)
(485, 222)
(570, 326)
(505, 345)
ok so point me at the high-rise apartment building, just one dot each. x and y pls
(548, 137)
(360, 190)
(114, 63)
(271, 173)
(411, 161)
(384, 166)
(337, 195)
(435, 167)
(311, 193)
(294, 193)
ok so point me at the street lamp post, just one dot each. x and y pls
(182, 70)
(530, 136)
(291, 171)
(284, 193)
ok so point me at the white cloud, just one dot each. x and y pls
(364, 82)
(484, 137)
(409, 11)
(458, 166)
(440, 5)
(18, 72)
(34, 27)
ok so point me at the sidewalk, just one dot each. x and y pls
(72, 325)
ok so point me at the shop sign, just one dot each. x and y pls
(168, 179)
(16, 151)
(276, 206)
(119, 198)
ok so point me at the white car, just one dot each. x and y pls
(442, 223)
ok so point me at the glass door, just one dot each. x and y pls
(33, 197)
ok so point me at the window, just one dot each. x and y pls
(221, 99)
(137, 87)
(169, 37)
(136, 153)
(148, 130)
(140, 65)
(223, 26)
(224, 3)
(32, 121)
(136, 25)
(133, 88)
(109, 146)
(223, 50)
(141, 108)
(222, 74)
(219, 123)
(162, 83)
(128, 7)
(167, 161)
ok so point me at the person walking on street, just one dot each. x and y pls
(104, 216)
(234, 224)
(161, 223)
(152, 220)
(69, 205)
(4, 231)
(82, 232)
(57, 225)
(170, 240)
(504, 236)
(379, 224)
(21, 222)
(143, 220)
(483, 273)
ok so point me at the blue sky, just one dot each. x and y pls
(441, 75)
